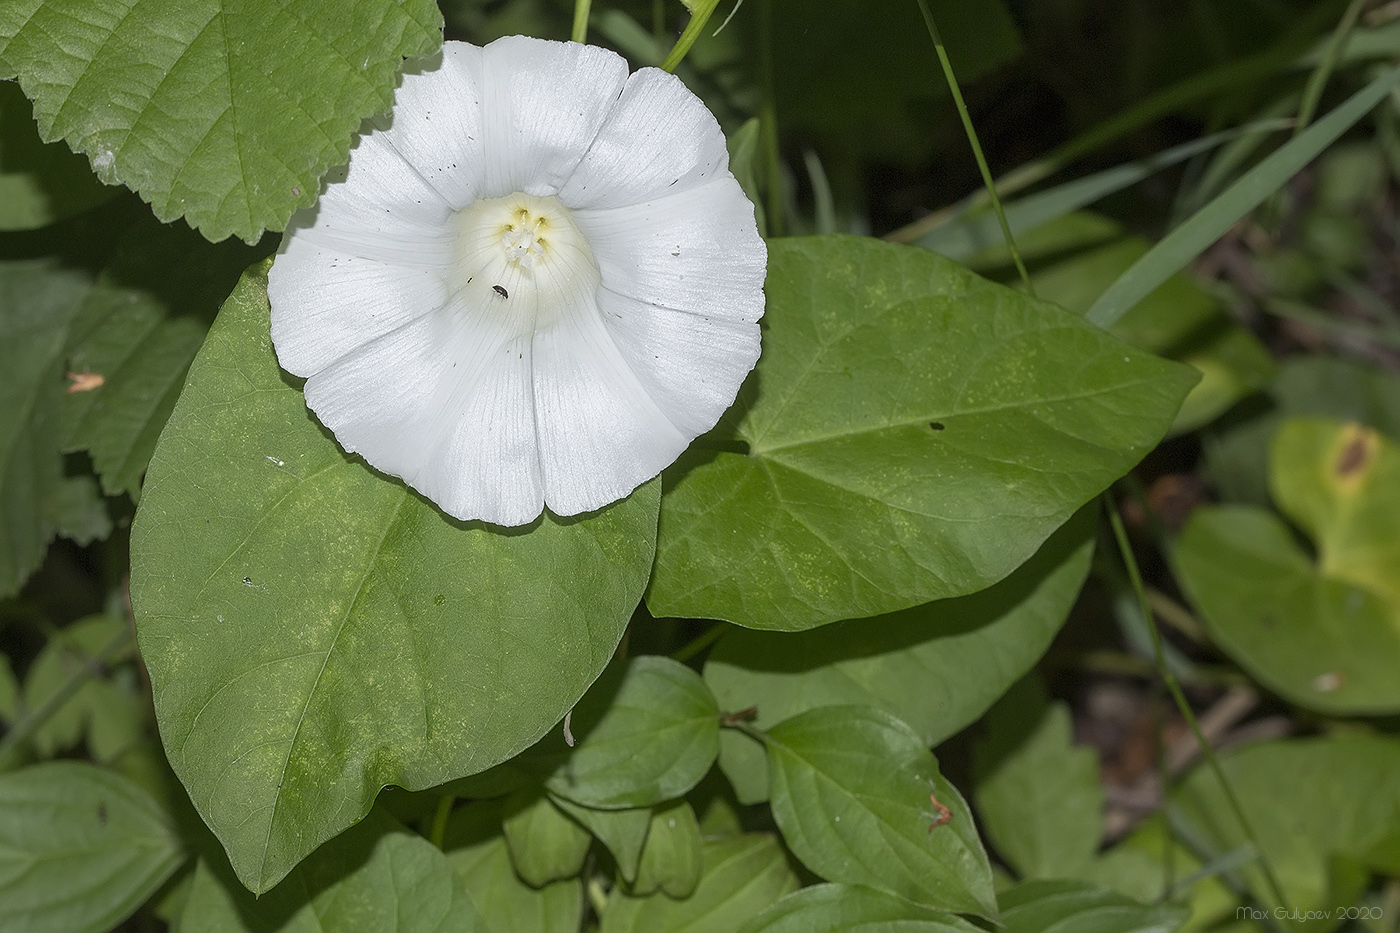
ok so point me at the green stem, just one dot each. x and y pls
(768, 122)
(699, 16)
(711, 635)
(1317, 81)
(444, 810)
(92, 667)
(597, 897)
(1164, 778)
(580, 33)
(982, 167)
(1125, 551)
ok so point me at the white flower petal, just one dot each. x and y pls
(436, 123)
(690, 365)
(325, 305)
(542, 103)
(697, 250)
(659, 140)
(600, 434)
(446, 404)
(462, 328)
(378, 207)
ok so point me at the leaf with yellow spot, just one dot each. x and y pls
(1325, 631)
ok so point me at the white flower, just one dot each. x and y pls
(534, 284)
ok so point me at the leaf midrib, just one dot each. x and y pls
(311, 693)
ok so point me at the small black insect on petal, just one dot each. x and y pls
(501, 290)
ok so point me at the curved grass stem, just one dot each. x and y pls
(1125, 551)
(699, 16)
(982, 167)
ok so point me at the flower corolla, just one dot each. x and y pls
(535, 282)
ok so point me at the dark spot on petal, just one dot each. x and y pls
(500, 290)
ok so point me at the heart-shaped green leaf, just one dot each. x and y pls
(224, 113)
(859, 800)
(315, 631)
(913, 432)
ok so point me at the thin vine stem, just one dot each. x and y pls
(581, 9)
(982, 167)
(700, 643)
(699, 16)
(438, 833)
(752, 732)
(1125, 551)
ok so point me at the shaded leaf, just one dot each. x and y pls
(1314, 805)
(545, 845)
(477, 852)
(1237, 455)
(1075, 907)
(38, 302)
(78, 511)
(1037, 794)
(109, 712)
(742, 875)
(377, 876)
(647, 731)
(315, 631)
(1141, 868)
(622, 832)
(936, 667)
(914, 433)
(138, 330)
(39, 183)
(857, 796)
(9, 691)
(80, 848)
(838, 908)
(671, 860)
(223, 113)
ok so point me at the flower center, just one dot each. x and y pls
(524, 239)
(524, 255)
